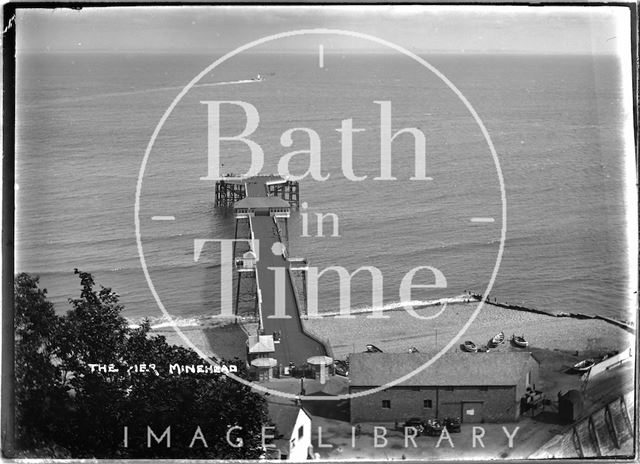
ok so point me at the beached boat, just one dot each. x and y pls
(584, 365)
(373, 349)
(497, 339)
(519, 340)
(341, 368)
(470, 346)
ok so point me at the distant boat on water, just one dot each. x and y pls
(258, 78)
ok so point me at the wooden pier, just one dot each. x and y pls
(229, 191)
(261, 205)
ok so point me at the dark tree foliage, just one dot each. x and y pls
(62, 404)
(40, 395)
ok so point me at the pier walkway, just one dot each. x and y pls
(295, 344)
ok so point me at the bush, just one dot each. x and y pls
(64, 409)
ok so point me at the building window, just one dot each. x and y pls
(484, 389)
(301, 431)
(427, 404)
(386, 404)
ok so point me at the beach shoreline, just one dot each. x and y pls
(557, 343)
(398, 331)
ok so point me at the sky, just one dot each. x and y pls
(421, 28)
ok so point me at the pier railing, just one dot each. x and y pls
(323, 341)
(258, 291)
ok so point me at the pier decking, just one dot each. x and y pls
(294, 344)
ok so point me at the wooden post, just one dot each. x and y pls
(296, 194)
(223, 194)
(237, 305)
(304, 302)
(611, 426)
(576, 443)
(286, 233)
(593, 435)
(256, 306)
(625, 414)
(236, 238)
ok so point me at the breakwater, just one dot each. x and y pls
(626, 325)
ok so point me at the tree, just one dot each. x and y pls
(39, 392)
(89, 410)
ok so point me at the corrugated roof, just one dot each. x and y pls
(261, 344)
(262, 202)
(452, 369)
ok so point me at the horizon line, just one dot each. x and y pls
(302, 52)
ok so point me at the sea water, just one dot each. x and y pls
(83, 123)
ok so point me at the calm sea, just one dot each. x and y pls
(84, 122)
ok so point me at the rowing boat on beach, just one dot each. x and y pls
(470, 346)
(584, 365)
(373, 349)
(519, 340)
(497, 339)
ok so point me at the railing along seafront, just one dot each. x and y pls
(325, 342)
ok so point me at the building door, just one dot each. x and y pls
(471, 411)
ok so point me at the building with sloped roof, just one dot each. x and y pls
(260, 352)
(291, 434)
(262, 206)
(477, 387)
(260, 346)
